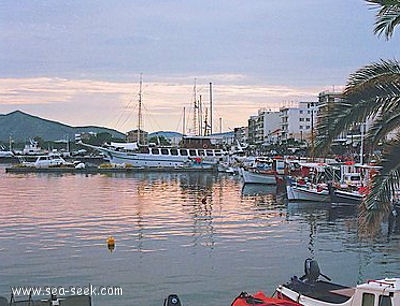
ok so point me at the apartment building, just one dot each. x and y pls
(298, 122)
(262, 128)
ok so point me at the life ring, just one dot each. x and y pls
(205, 146)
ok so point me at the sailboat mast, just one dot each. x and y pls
(195, 108)
(140, 111)
(200, 106)
(211, 110)
(184, 122)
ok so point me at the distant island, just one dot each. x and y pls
(21, 126)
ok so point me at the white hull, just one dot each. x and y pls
(297, 193)
(384, 292)
(167, 160)
(4, 154)
(342, 196)
(48, 161)
(308, 301)
(258, 178)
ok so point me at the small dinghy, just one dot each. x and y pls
(260, 299)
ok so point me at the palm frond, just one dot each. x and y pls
(387, 17)
(384, 185)
(384, 124)
(370, 90)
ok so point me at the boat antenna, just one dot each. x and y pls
(200, 107)
(312, 135)
(140, 110)
(195, 108)
(184, 123)
(211, 110)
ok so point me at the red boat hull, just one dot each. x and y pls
(260, 299)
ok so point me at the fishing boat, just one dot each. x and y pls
(305, 192)
(346, 196)
(310, 290)
(263, 171)
(354, 183)
(254, 176)
(309, 185)
(33, 149)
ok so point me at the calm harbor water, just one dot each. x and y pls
(53, 231)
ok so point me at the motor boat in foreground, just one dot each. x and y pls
(260, 299)
(244, 299)
(309, 290)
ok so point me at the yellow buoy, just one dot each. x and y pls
(111, 243)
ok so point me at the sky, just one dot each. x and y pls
(79, 62)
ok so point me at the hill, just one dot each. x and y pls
(21, 126)
(166, 134)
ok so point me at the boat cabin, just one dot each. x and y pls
(200, 142)
(385, 292)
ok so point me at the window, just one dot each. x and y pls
(384, 300)
(308, 119)
(174, 152)
(368, 299)
(301, 112)
(145, 150)
(201, 152)
(301, 127)
(164, 151)
(192, 153)
(183, 152)
(155, 151)
(308, 127)
(301, 119)
(209, 153)
(218, 153)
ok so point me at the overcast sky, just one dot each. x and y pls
(79, 61)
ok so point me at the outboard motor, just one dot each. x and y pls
(312, 271)
(54, 301)
(172, 300)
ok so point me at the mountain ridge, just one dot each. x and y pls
(21, 126)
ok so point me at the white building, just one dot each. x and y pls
(298, 122)
(267, 125)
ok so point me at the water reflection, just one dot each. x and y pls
(185, 233)
(258, 189)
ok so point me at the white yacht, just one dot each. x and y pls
(160, 156)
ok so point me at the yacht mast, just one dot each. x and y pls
(140, 118)
(195, 109)
(211, 110)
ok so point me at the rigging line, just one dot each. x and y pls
(124, 107)
(179, 122)
(152, 120)
(125, 115)
(128, 116)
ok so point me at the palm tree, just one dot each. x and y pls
(388, 16)
(372, 93)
